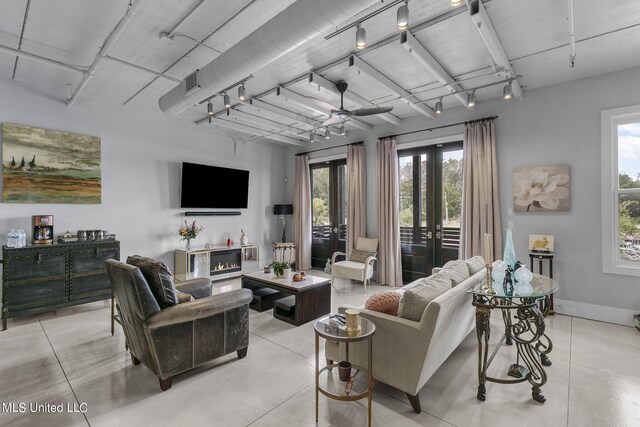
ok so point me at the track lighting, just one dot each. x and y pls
(227, 101)
(242, 95)
(507, 92)
(343, 131)
(402, 20)
(210, 108)
(361, 38)
(471, 100)
(312, 137)
(439, 106)
(327, 134)
(455, 3)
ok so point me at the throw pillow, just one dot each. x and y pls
(159, 279)
(475, 264)
(458, 270)
(415, 300)
(359, 256)
(184, 297)
(384, 302)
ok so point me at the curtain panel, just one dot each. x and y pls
(388, 189)
(302, 213)
(356, 194)
(480, 205)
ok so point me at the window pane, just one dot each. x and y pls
(406, 191)
(342, 201)
(629, 155)
(451, 188)
(320, 196)
(629, 226)
(423, 190)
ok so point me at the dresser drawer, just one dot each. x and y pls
(93, 258)
(84, 286)
(35, 294)
(35, 264)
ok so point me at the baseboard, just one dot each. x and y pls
(619, 316)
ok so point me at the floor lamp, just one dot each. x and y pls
(281, 211)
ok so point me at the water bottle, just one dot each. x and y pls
(11, 238)
(23, 238)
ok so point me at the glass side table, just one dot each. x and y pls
(326, 380)
(524, 324)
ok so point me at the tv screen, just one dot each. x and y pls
(214, 187)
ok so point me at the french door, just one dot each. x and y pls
(329, 207)
(430, 207)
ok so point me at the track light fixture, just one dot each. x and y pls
(343, 131)
(507, 92)
(361, 38)
(439, 106)
(242, 94)
(402, 19)
(327, 134)
(455, 3)
(471, 99)
(312, 137)
(210, 108)
(227, 101)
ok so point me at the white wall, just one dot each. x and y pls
(141, 164)
(553, 125)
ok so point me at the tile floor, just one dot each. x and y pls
(69, 356)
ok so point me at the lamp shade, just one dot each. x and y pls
(283, 209)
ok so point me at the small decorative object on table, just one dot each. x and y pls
(280, 267)
(188, 232)
(353, 320)
(488, 254)
(228, 240)
(243, 238)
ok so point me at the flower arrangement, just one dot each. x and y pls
(188, 232)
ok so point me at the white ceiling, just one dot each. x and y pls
(534, 35)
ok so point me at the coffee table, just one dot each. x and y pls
(303, 301)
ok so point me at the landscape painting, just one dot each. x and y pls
(49, 166)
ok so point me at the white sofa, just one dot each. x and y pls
(407, 353)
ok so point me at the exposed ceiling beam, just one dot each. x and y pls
(490, 38)
(354, 98)
(419, 52)
(385, 81)
(318, 106)
(269, 124)
(253, 131)
(256, 105)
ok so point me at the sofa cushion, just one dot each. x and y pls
(458, 270)
(159, 279)
(415, 299)
(475, 264)
(384, 302)
(359, 256)
(184, 297)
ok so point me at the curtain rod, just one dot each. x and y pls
(441, 127)
(329, 148)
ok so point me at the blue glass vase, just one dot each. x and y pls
(509, 252)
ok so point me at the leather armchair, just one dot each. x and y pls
(175, 339)
(350, 269)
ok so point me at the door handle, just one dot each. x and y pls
(429, 235)
(336, 229)
(438, 235)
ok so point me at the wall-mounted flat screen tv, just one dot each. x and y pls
(214, 187)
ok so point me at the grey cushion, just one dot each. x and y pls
(359, 256)
(159, 278)
(475, 264)
(415, 299)
(458, 270)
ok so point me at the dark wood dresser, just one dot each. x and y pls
(46, 277)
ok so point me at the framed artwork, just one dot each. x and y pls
(49, 166)
(541, 188)
(540, 243)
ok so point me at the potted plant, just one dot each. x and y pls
(281, 269)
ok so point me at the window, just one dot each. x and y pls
(621, 190)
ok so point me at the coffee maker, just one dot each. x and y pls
(42, 229)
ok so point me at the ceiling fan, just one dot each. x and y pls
(341, 115)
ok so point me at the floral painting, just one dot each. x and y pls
(541, 189)
(49, 166)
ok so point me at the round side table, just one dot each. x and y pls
(332, 388)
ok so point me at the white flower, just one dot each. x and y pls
(537, 188)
